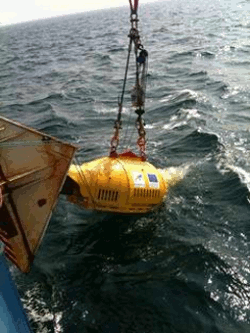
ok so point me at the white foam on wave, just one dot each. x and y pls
(171, 126)
(174, 175)
(57, 326)
(227, 163)
(187, 94)
(149, 126)
(231, 92)
(166, 99)
(236, 91)
(243, 175)
(39, 312)
(182, 118)
(191, 113)
(103, 109)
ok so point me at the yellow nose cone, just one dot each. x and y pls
(122, 184)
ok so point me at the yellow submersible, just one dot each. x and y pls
(123, 184)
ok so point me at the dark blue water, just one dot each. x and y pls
(184, 268)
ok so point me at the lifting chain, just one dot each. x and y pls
(138, 91)
(141, 142)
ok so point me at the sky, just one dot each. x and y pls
(16, 11)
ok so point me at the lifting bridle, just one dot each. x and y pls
(138, 92)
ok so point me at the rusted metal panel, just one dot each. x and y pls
(33, 168)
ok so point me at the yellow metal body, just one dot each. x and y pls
(119, 184)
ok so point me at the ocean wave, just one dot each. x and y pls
(198, 140)
(185, 95)
(206, 54)
(13, 59)
(242, 175)
(185, 117)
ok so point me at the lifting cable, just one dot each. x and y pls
(138, 92)
(133, 8)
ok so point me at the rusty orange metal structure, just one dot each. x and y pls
(33, 168)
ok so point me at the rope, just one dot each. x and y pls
(117, 126)
(84, 180)
(124, 81)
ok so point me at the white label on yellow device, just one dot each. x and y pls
(153, 181)
(138, 179)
